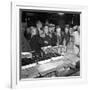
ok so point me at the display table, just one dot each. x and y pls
(69, 60)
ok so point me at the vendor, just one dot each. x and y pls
(52, 34)
(66, 35)
(47, 39)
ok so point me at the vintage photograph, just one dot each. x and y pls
(49, 43)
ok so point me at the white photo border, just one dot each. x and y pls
(15, 48)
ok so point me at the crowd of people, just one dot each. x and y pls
(49, 34)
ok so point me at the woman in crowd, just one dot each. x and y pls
(40, 28)
(66, 36)
(70, 46)
(76, 35)
(59, 36)
(35, 41)
(71, 34)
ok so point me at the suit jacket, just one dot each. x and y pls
(36, 43)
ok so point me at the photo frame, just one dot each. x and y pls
(16, 82)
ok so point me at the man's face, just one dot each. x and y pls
(58, 30)
(39, 24)
(33, 31)
(51, 29)
(71, 30)
(66, 29)
(46, 29)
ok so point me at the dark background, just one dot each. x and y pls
(31, 16)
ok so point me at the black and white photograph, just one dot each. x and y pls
(49, 43)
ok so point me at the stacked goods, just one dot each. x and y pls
(48, 54)
(56, 49)
(26, 55)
